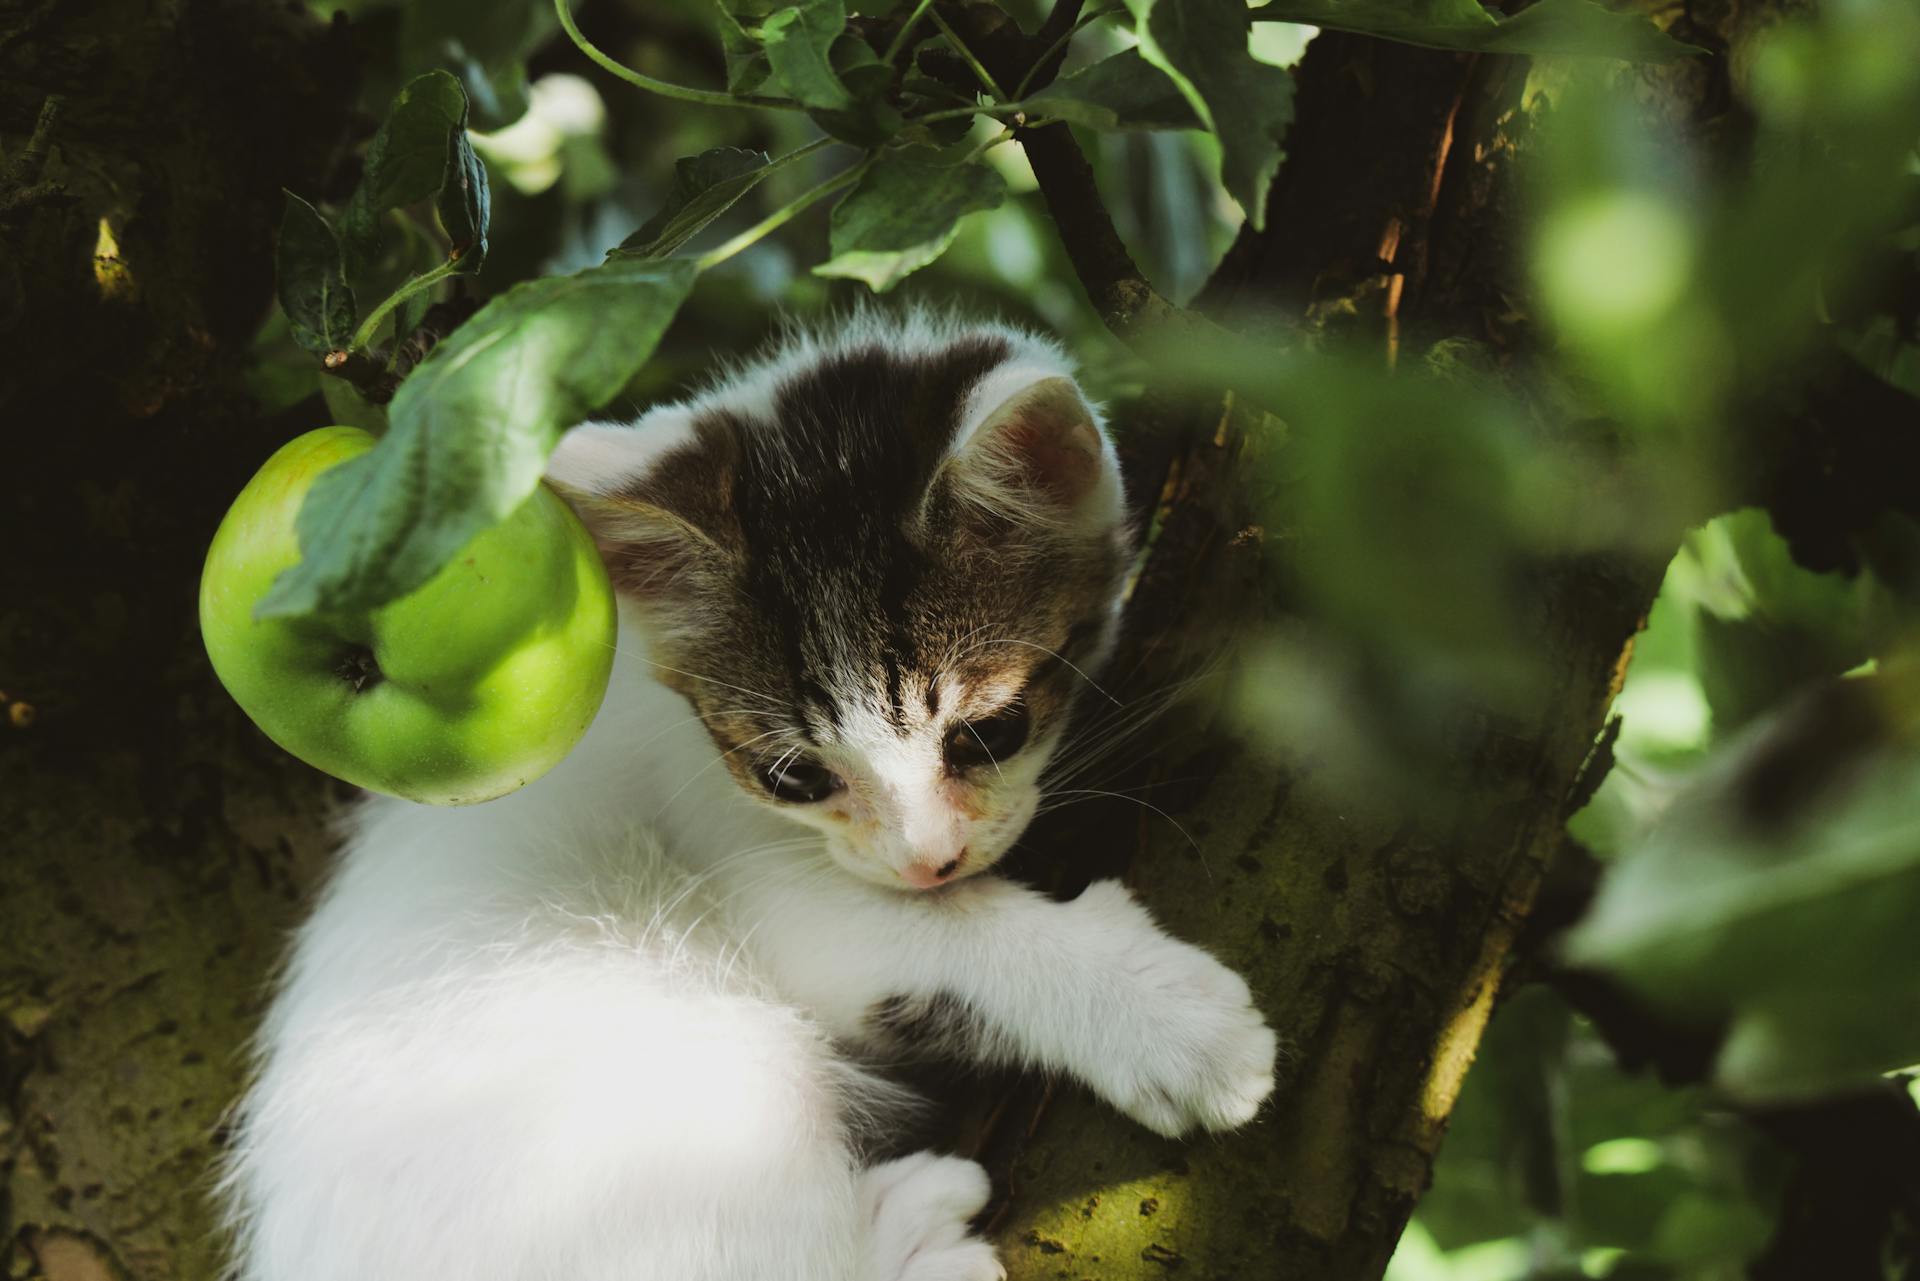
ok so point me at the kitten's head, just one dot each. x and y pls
(880, 564)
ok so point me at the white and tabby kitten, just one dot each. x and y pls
(607, 1028)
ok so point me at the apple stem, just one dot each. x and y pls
(359, 669)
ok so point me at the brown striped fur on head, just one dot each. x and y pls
(867, 560)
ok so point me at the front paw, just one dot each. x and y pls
(1197, 1052)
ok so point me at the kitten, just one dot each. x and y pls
(606, 1027)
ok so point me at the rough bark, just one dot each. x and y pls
(153, 840)
(1377, 937)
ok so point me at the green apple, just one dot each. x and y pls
(463, 690)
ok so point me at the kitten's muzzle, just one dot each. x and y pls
(927, 876)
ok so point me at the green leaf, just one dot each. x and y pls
(312, 280)
(465, 204)
(704, 187)
(1776, 898)
(904, 213)
(799, 44)
(486, 45)
(871, 121)
(747, 65)
(1573, 27)
(407, 159)
(1202, 46)
(472, 428)
(1122, 92)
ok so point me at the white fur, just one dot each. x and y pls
(584, 1032)
(598, 1029)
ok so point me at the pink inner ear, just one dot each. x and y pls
(1060, 459)
(651, 568)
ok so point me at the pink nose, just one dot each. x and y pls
(924, 876)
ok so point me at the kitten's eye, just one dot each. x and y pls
(801, 781)
(990, 739)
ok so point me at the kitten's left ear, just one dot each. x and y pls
(1034, 451)
(655, 496)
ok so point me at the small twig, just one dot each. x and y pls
(978, 109)
(1005, 135)
(369, 376)
(781, 216)
(370, 327)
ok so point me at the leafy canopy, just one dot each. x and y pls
(470, 427)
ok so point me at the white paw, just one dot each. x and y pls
(1197, 1053)
(917, 1210)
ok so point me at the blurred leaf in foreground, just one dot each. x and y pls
(1574, 27)
(1775, 899)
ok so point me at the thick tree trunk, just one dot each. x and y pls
(1375, 936)
(154, 844)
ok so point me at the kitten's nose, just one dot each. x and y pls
(926, 875)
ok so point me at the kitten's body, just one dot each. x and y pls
(599, 1028)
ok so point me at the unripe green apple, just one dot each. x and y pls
(470, 686)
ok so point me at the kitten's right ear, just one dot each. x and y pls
(656, 496)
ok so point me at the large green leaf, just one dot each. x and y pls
(472, 428)
(904, 213)
(1776, 899)
(799, 43)
(704, 187)
(1578, 27)
(313, 280)
(407, 159)
(1202, 46)
(1124, 91)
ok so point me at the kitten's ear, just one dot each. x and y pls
(656, 496)
(1034, 452)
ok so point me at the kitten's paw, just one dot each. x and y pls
(918, 1208)
(1201, 1054)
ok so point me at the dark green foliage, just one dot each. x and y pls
(464, 203)
(704, 187)
(407, 159)
(313, 280)
(1192, 69)
(905, 212)
(799, 43)
(1202, 46)
(486, 45)
(472, 428)
(1122, 92)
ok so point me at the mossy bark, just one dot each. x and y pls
(154, 844)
